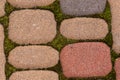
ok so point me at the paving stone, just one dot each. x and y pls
(117, 68)
(32, 26)
(115, 24)
(82, 7)
(86, 59)
(84, 28)
(30, 3)
(2, 7)
(32, 57)
(2, 56)
(34, 75)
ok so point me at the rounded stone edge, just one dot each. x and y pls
(13, 50)
(77, 18)
(33, 5)
(69, 45)
(116, 48)
(32, 71)
(117, 61)
(77, 14)
(2, 53)
(19, 42)
(3, 37)
(3, 10)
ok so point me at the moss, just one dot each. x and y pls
(9, 70)
(60, 41)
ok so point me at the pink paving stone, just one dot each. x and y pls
(2, 55)
(117, 68)
(87, 59)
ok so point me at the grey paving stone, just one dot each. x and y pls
(82, 7)
(2, 7)
(32, 26)
(34, 75)
(115, 24)
(84, 28)
(33, 57)
(2, 55)
(29, 3)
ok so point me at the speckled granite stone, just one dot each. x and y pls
(2, 7)
(33, 57)
(34, 75)
(115, 6)
(82, 7)
(86, 59)
(84, 28)
(29, 3)
(32, 26)
(2, 55)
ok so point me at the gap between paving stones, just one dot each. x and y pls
(59, 39)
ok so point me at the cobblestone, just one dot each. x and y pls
(88, 59)
(30, 3)
(84, 28)
(32, 26)
(34, 75)
(33, 57)
(2, 55)
(2, 7)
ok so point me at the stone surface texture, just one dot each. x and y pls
(117, 68)
(33, 57)
(82, 7)
(115, 24)
(34, 75)
(32, 26)
(2, 7)
(87, 59)
(84, 28)
(2, 55)
(29, 3)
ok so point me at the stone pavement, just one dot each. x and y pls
(34, 29)
(2, 55)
